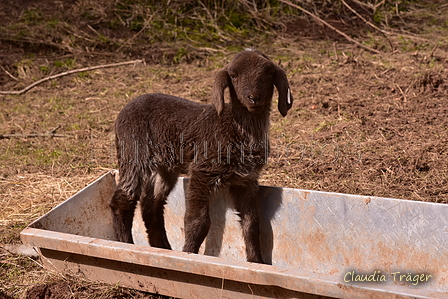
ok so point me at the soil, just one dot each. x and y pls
(49, 291)
(362, 123)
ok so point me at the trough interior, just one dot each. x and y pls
(315, 232)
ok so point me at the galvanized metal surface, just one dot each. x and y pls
(314, 240)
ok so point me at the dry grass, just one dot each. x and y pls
(28, 196)
(23, 277)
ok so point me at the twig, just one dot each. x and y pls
(51, 133)
(330, 26)
(8, 73)
(377, 28)
(214, 24)
(335, 52)
(362, 18)
(433, 50)
(402, 93)
(404, 33)
(375, 7)
(363, 4)
(90, 68)
(94, 31)
(135, 35)
(384, 32)
(54, 130)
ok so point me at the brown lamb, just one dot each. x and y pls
(223, 145)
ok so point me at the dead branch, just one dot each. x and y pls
(51, 133)
(9, 74)
(433, 50)
(362, 18)
(86, 69)
(376, 27)
(145, 25)
(330, 26)
(384, 32)
(369, 6)
(375, 7)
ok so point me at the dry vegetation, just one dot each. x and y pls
(362, 123)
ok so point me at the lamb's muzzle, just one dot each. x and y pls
(223, 145)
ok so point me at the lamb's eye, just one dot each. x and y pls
(232, 76)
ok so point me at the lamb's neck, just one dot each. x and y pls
(253, 125)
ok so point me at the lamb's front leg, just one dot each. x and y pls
(197, 219)
(245, 198)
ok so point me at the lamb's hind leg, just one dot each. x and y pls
(123, 207)
(153, 201)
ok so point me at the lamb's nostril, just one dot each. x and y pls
(252, 99)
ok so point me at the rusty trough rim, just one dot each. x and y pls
(251, 273)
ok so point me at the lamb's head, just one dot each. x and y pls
(251, 78)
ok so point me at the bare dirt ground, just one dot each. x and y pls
(362, 123)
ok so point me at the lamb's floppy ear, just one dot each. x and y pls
(222, 81)
(284, 92)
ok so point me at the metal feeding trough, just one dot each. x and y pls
(319, 244)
